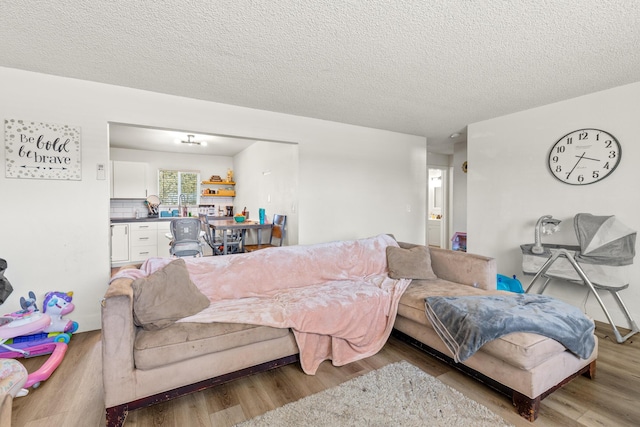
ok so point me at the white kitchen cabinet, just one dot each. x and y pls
(136, 241)
(119, 243)
(163, 241)
(143, 241)
(129, 180)
(434, 233)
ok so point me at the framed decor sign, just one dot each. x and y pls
(36, 150)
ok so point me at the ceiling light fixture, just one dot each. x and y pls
(190, 141)
(454, 135)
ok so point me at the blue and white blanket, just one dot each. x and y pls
(466, 323)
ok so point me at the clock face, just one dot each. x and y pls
(584, 156)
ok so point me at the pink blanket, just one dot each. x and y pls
(336, 297)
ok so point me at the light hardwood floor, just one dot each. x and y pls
(73, 395)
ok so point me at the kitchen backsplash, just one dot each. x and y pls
(136, 208)
(121, 208)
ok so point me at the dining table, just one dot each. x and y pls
(232, 225)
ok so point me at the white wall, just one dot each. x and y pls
(439, 160)
(510, 187)
(353, 181)
(266, 174)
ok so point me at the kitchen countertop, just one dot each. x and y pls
(164, 218)
(146, 219)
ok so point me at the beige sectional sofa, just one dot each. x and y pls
(525, 366)
(143, 367)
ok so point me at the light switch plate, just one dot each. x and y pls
(101, 173)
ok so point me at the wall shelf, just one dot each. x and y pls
(225, 192)
(218, 183)
(218, 195)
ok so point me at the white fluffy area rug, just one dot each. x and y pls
(399, 394)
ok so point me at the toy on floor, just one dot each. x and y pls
(56, 305)
(13, 377)
(24, 334)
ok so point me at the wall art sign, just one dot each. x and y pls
(37, 150)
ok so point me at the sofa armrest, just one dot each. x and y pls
(464, 268)
(6, 402)
(118, 335)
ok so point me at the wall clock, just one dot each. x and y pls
(584, 156)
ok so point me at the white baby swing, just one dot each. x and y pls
(606, 247)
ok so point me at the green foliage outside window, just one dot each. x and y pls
(173, 184)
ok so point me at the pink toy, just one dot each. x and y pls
(56, 305)
(15, 329)
(23, 323)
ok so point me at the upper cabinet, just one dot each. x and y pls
(129, 180)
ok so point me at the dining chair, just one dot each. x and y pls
(186, 237)
(278, 232)
(234, 241)
(215, 241)
(208, 235)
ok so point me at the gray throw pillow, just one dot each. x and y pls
(414, 263)
(165, 296)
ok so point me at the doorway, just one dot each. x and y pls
(438, 215)
(265, 171)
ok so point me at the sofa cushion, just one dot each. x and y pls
(166, 296)
(183, 341)
(413, 263)
(522, 350)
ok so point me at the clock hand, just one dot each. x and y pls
(574, 166)
(588, 158)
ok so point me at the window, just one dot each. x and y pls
(175, 184)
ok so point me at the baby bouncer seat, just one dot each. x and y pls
(606, 249)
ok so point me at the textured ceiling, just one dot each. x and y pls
(420, 67)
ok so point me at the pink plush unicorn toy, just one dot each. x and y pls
(56, 305)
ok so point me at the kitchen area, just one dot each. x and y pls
(246, 174)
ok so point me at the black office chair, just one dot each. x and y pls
(186, 237)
